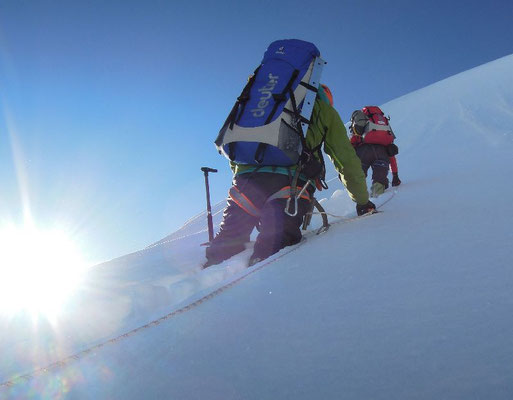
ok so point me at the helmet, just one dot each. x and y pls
(326, 90)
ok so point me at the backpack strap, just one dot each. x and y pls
(278, 98)
(320, 182)
(298, 119)
(235, 114)
(317, 149)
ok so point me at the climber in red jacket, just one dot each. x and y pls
(373, 140)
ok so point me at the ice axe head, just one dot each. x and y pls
(206, 170)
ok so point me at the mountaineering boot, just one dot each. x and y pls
(377, 189)
(254, 260)
(209, 263)
(368, 208)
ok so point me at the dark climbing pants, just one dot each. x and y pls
(276, 228)
(374, 156)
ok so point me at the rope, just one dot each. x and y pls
(81, 354)
(341, 216)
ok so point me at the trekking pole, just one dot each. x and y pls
(206, 170)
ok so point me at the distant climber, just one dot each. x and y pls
(373, 139)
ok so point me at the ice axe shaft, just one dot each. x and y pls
(206, 170)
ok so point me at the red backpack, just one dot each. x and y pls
(372, 126)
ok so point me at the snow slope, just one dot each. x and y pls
(412, 303)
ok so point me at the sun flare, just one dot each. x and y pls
(39, 269)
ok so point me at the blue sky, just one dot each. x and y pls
(110, 108)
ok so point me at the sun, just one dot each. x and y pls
(39, 269)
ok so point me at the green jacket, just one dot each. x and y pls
(326, 121)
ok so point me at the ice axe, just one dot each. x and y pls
(206, 170)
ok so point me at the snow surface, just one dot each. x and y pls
(412, 303)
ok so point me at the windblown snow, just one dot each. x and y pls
(412, 303)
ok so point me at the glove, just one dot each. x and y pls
(365, 208)
(396, 181)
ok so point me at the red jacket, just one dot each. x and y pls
(393, 164)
